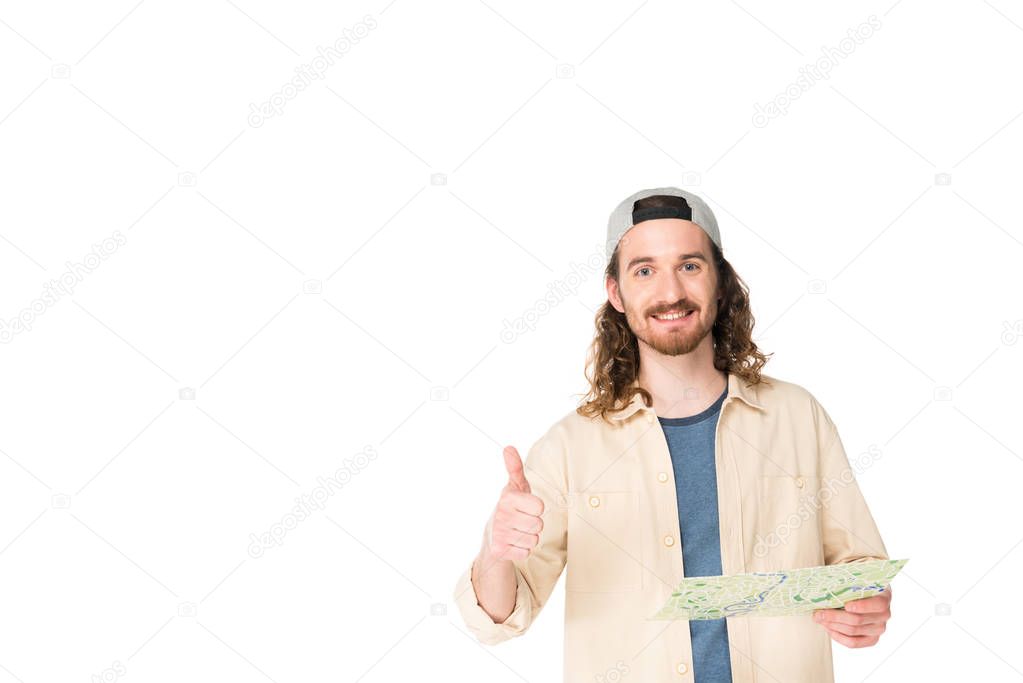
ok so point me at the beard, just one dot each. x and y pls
(666, 340)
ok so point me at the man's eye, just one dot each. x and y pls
(641, 270)
(690, 264)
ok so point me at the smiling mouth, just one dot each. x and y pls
(669, 317)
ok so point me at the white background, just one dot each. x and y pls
(335, 280)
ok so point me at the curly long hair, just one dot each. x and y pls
(612, 363)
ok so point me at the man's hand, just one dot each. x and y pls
(860, 623)
(513, 530)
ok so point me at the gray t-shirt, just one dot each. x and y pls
(691, 444)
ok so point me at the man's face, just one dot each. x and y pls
(666, 265)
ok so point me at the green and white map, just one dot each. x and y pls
(778, 593)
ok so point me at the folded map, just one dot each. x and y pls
(778, 593)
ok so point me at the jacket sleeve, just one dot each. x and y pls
(848, 530)
(536, 575)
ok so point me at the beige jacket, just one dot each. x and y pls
(787, 498)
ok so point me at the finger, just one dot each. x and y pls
(504, 542)
(853, 630)
(520, 521)
(511, 553)
(853, 641)
(504, 537)
(513, 464)
(840, 616)
(876, 603)
(523, 502)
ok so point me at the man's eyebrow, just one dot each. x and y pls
(681, 257)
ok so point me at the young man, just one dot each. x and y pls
(683, 461)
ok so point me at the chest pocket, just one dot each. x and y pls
(788, 521)
(604, 549)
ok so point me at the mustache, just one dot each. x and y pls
(675, 307)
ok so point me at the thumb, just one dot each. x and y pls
(516, 476)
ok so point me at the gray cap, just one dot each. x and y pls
(623, 218)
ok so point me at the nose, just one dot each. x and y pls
(670, 289)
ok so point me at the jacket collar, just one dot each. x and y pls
(737, 389)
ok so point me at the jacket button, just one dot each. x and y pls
(682, 668)
(594, 501)
(669, 541)
(662, 477)
(800, 481)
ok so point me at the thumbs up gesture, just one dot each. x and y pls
(513, 529)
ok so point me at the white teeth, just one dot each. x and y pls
(672, 316)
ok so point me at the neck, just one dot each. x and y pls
(681, 385)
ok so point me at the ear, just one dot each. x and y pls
(613, 296)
